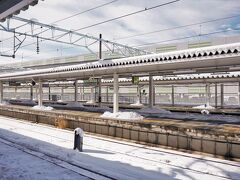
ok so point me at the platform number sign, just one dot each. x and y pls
(135, 80)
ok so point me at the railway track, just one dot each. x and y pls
(131, 155)
(83, 171)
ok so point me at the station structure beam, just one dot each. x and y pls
(115, 93)
(40, 93)
(1, 92)
(216, 95)
(75, 90)
(31, 92)
(151, 93)
(222, 95)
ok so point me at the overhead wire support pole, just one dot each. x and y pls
(65, 32)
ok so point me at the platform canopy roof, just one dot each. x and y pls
(223, 58)
(8, 8)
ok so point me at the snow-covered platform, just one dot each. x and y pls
(33, 151)
(219, 139)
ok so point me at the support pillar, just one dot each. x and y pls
(208, 94)
(239, 93)
(49, 92)
(62, 93)
(216, 96)
(115, 94)
(99, 92)
(222, 95)
(31, 92)
(1, 92)
(76, 91)
(107, 94)
(40, 93)
(172, 98)
(150, 103)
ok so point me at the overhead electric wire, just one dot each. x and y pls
(187, 37)
(129, 14)
(178, 27)
(88, 10)
(119, 17)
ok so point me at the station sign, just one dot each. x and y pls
(14, 83)
(135, 80)
(90, 82)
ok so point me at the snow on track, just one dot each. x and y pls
(116, 159)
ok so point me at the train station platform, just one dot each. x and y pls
(218, 139)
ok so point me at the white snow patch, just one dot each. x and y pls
(79, 132)
(204, 111)
(205, 106)
(59, 100)
(90, 102)
(154, 110)
(122, 116)
(136, 104)
(74, 104)
(4, 103)
(44, 108)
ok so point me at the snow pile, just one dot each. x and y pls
(79, 132)
(205, 106)
(90, 102)
(44, 108)
(136, 104)
(154, 110)
(4, 103)
(74, 104)
(122, 116)
(204, 111)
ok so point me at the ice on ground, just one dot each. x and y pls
(74, 104)
(79, 132)
(122, 115)
(44, 108)
(205, 106)
(154, 110)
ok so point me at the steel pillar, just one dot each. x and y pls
(76, 91)
(150, 103)
(173, 100)
(115, 94)
(239, 93)
(40, 93)
(99, 92)
(31, 93)
(216, 95)
(208, 94)
(49, 92)
(62, 93)
(222, 95)
(1, 92)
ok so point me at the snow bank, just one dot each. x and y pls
(79, 132)
(4, 103)
(74, 104)
(136, 104)
(205, 106)
(154, 110)
(90, 102)
(44, 108)
(204, 111)
(122, 116)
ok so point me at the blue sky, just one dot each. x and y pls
(177, 14)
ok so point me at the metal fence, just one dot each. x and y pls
(219, 95)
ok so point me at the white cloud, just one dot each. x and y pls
(180, 13)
